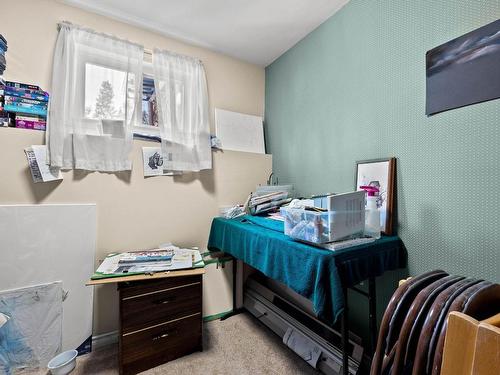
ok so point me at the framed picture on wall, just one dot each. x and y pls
(379, 173)
(464, 70)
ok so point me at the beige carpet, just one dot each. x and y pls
(239, 345)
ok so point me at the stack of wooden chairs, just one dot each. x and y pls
(471, 346)
(413, 332)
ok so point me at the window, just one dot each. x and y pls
(183, 109)
(149, 106)
(105, 93)
(96, 100)
(105, 99)
(148, 128)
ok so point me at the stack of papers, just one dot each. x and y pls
(160, 255)
(163, 259)
(276, 216)
(343, 244)
(267, 202)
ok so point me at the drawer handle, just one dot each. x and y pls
(163, 335)
(164, 300)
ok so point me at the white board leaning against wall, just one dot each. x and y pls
(47, 243)
(239, 131)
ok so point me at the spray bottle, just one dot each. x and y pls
(372, 217)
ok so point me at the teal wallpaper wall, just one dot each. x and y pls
(354, 89)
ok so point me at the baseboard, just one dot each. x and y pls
(104, 339)
(209, 318)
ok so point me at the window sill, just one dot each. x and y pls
(144, 137)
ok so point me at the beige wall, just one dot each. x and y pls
(133, 212)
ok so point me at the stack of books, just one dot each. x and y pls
(266, 203)
(27, 105)
(159, 255)
(3, 49)
(4, 117)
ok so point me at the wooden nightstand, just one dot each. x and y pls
(160, 318)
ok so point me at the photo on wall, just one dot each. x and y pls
(379, 173)
(464, 70)
(153, 163)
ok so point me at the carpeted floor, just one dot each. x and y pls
(239, 345)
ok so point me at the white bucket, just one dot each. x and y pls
(63, 363)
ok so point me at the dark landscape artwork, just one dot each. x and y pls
(464, 71)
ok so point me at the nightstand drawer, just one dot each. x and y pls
(142, 287)
(164, 303)
(161, 342)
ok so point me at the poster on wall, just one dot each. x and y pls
(153, 163)
(464, 70)
(240, 131)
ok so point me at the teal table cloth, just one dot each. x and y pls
(315, 273)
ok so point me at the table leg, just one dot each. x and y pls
(372, 305)
(345, 335)
(237, 285)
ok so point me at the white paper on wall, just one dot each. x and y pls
(37, 162)
(46, 243)
(32, 330)
(153, 163)
(239, 132)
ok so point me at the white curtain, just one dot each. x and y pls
(182, 97)
(95, 100)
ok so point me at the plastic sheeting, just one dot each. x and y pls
(31, 333)
(303, 346)
(41, 244)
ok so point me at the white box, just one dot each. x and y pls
(345, 218)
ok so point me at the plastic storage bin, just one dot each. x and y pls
(322, 227)
(63, 363)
